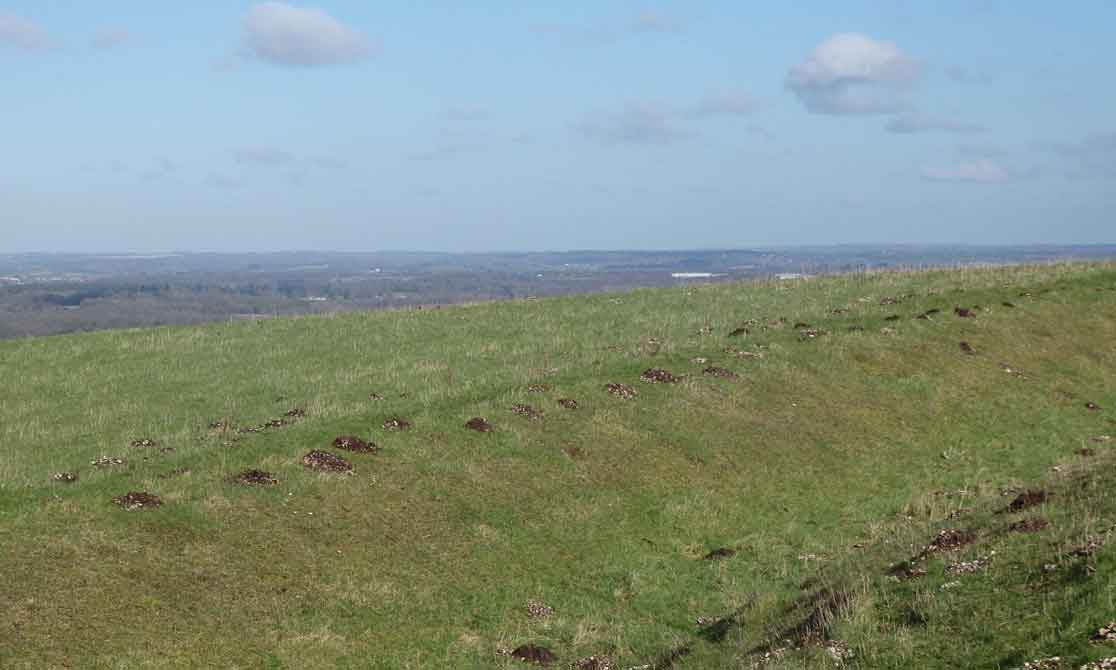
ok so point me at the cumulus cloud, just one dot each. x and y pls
(261, 156)
(725, 104)
(850, 73)
(288, 35)
(920, 123)
(110, 37)
(983, 171)
(637, 123)
(20, 33)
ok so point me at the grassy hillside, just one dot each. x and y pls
(780, 518)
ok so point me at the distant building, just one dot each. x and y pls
(693, 275)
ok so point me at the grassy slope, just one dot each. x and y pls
(427, 556)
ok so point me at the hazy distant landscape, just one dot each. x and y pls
(49, 294)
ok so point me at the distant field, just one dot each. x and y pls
(778, 505)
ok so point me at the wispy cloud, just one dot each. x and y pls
(261, 156)
(20, 33)
(850, 73)
(964, 75)
(1091, 157)
(636, 123)
(110, 37)
(982, 171)
(284, 34)
(725, 104)
(646, 22)
(920, 123)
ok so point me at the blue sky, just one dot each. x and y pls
(128, 125)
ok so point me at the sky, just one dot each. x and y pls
(139, 126)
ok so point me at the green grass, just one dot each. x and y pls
(818, 465)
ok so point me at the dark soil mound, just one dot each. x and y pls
(964, 312)
(739, 331)
(527, 412)
(296, 413)
(723, 373)
(622, 391)
(654, 376)
(1025, 500)
(1086, 452)
(531, 653)
(594, 662)
(478, 424)
(355, 445)
(375, 396)
(107, 462)
(1032, 525)
(568, 403)
(951, 539)
(137, 500)
(892, 317)
(144, 444)
(717, 554)
(801, 324)
(64, 477)
(256, 478)
(395, 423)
(1008, 305)
(323, 461)
(967, 348)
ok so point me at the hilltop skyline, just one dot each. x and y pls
(340, 125)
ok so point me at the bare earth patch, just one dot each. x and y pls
(717, 554)
(64, 477)
(723, 373)
(594, 662)
(1106, 634)
(538, 610)
(256, 478)
(1025, 500)
(964, 312)
(951, 539)
(568, 403)
(527, 412)
(967, 348)
(323, 461)
(654, 376)
(1032, 525)
(621, 391)
(107, 462)
(396, 423)
(354, 444)
(144, 443)
(530, 653)
(538, 388)
(479, 424)
(137, 500)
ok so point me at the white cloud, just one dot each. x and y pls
(983, 171)
(284, 34)
(637, 123)
(850, 73)
(725, 104)
(920, 123)
(109, 37)
(23, 34)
